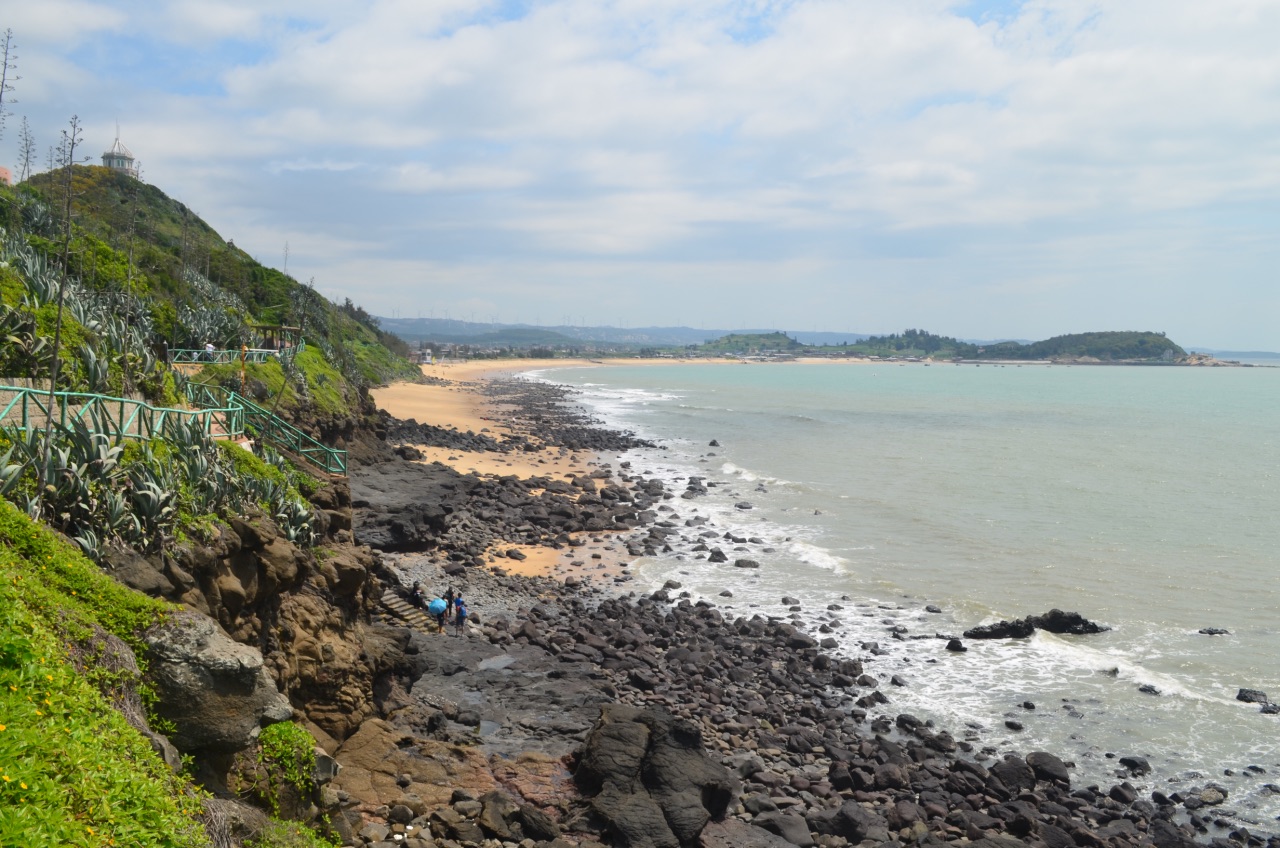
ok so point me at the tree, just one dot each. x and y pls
(8, 63)
(26, 151)
(67, 158)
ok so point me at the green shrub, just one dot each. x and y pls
(280, 834)
(72, 770)
(247, 464)
(288, 756)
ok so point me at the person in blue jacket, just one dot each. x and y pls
(460, 615)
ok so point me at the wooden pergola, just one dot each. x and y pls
(276, 336)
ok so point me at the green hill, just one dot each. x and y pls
(1121, 346)
(1107, 346)
(752, 343)
(165, 268)
(1117, 346)
(103, 300)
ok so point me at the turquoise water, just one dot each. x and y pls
(1144, 498)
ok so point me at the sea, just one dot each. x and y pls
(897, 504)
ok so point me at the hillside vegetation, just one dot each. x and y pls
(160, 264)
(102, 301)
(56, 722)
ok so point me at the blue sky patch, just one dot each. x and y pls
(998, 12)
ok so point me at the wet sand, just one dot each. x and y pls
(461, 405)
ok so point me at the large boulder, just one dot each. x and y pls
(216, 691)
(1054, 621)
(732, 833)
(852, 821)
(652, 782)
(1049, 768)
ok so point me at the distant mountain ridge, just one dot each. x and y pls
(1110, 345)
(453, 331)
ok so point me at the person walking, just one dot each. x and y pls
(460, 616)
(449, 596)
(437, 608)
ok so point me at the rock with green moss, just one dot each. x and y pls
(216, 692)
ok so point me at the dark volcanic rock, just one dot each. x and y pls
(1136, 765)
(736, 834)
(1054, 621)
(1048, 767)
(651, 780)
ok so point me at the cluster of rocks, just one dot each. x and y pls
(402, 506)
(805, 749)
(1054, 621)
(547, 417)
(410, 432)
(1256, 696)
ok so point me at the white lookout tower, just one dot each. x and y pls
(119, 158)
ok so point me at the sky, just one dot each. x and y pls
(989, 169)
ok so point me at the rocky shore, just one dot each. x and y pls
(572, 714)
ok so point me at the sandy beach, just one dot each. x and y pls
(454, 398)
(460, 404)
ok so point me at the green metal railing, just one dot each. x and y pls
(261, 423)
(123, 418)
(227, 357)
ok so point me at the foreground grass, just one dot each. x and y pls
(72, 770)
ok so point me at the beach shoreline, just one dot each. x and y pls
(726, 728)
(454, 398)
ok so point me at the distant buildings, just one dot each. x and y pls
(6, 176)
(119, 158)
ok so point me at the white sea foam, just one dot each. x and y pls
(750, 476)
(817, 555)
(993, 506)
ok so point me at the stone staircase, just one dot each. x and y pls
(396, 610)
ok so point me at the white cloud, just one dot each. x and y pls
(416, 177)
(673, 134)
(305, 164)
(62, 22)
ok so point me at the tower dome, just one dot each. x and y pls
(120, 158)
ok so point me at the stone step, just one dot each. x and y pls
(406, 613)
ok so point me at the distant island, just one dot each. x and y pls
(1112, 347)
(461, 339)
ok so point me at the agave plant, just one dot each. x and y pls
(10, 472)
(219, 317)
(154, 505)
(296, 522)
(89, 543)
(38, 219)
(22, 350)
(296, 519)
(42, 283)
(96, 372)
(118, 519)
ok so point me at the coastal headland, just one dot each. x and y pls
(572, 711)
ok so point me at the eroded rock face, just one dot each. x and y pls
(325, 664)
(216, 691)
(653, 783)
(303, 609)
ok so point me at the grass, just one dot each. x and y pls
(72, 770)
